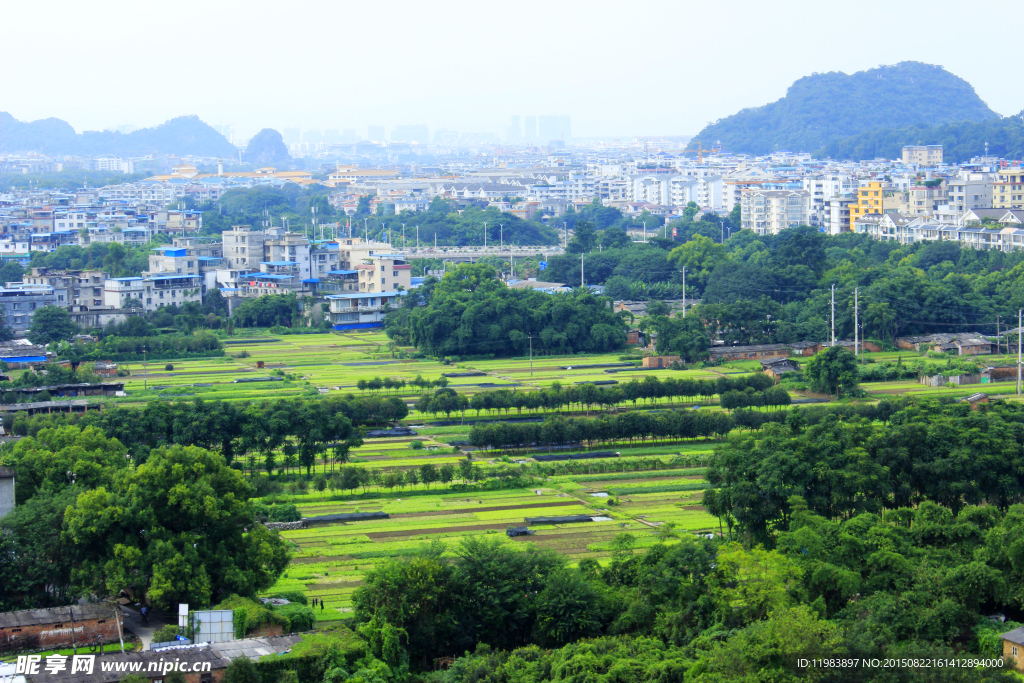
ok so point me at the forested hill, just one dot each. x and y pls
(822, 107)
(960, 141)
(184, 135)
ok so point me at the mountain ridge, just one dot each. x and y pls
(182, 135)
(823, 107)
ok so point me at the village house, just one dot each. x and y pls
(59, 627)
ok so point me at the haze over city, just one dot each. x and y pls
(466, 66)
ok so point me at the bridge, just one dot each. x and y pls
(474, 253)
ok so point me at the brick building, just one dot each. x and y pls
(659, 361)
(59, 627)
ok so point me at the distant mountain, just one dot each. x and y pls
(819, 108)
(960, 141)
(266, 147)
(184, 135)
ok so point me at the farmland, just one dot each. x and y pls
(650, 491)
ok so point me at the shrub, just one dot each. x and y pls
(416, 445)
(166, 633)
(169, 367)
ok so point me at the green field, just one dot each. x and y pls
(330, 560)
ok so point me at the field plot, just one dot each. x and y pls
(330, 560)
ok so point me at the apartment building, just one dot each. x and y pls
(243, 247)
(767, 212)
(922, 155)
(1008, 189)
(70, 287)
(384, 272)
(20, 301)
(360, 310)
(969, 191)
(923, 200)
(153, 291)
(875, 196)
(837, 213)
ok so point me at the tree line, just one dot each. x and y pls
(259, 435)
(628, 427)
(556, 397)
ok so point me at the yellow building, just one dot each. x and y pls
(1008, 190)
(875, 197)
(922, 155)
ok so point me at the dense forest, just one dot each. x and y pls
(822, 107)
(961, 141)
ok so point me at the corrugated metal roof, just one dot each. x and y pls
(57, 615)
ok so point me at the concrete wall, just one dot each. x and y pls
(6, 490)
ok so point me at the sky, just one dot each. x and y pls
(617, 68)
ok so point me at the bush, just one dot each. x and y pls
(166, 633)
(300, 617)
(416, 445)
(284, 512)
(291, 596)
(169, 367)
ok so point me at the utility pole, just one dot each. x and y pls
(120, 633)
(485, 235)
(1020, 324)
(531, 355)
(145, 379)
(684, 291)
(722, 223)
(581, 270)
(833, 315)
(856, 337)
(565, 234)
(501, 236)
(74, 646)
(645, 231)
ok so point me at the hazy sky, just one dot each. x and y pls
(618, 68)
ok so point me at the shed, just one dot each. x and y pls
(777, 367)
(514, 531)
(346, 517)
(576, 456)
(660, 361)
(568, 519)
(974, 400)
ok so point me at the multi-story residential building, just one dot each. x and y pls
(354, 250)
(153, 291)
(21, 301)
(923, 200)
(70, 287)
(875, 196)
(767, 212)
(969, 191)
(1008, 190)
(745, 178)
(243, 247)
(360, 310)
(384, 272)
(837, 213)
(922, 155)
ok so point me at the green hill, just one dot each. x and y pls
(819, 108)
(961, 140)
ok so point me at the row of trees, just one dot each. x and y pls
(632, 426)
(262, 435)
(650, 389)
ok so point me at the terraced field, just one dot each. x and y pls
(331, 559)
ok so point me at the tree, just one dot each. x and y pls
(833, 372)
(51, 324)
(179, 528)
(6, 333)
(699, 256)
(584, 238)
(686, 337)
(241, 670)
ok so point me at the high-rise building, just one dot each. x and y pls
(530, 133)
(349, 135)
(411, 133)
(291, 136)
(513, 133)
(332, 135)
(375, 133)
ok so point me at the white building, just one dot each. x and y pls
(360, 310)
(767, 212)
(153, 291)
